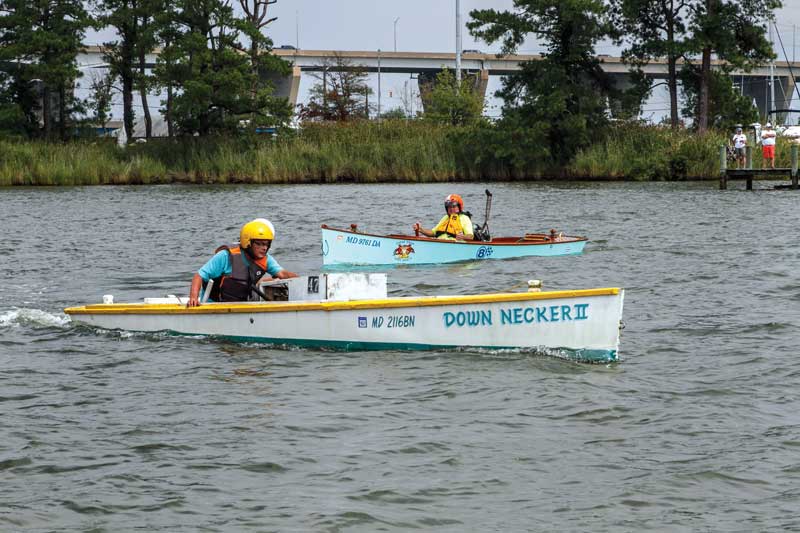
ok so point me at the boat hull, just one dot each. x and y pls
(342, 247)
(581, 325)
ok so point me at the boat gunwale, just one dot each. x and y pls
(565, 239)
(343, 305)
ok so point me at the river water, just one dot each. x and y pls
(697, 429)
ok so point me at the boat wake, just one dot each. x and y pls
(566, 354)
(35, 318)
(149, 335)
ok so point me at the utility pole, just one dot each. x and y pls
(379, 84)
(395, 33)
(771, 76)
(297, 30)
(405, 99)
(458, 42)
(325, 92)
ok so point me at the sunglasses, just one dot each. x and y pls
(265, 244)
(451, 204)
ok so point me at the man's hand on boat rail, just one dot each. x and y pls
(194, 291)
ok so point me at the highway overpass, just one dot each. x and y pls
(754, 83)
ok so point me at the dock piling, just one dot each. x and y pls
(723, 168)
(748, 173)
(749, 165)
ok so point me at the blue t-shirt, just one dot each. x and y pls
(220, 265)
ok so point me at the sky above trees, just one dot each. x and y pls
(423, 25)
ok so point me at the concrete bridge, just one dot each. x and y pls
(754, 84)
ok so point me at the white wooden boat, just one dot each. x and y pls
(354, 247)
(351, 311)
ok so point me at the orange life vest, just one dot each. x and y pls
(238, 285)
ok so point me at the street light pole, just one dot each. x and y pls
(395, 33)
(458, 41)
(771, 75)
(379, 84)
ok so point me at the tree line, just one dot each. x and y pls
(566, 98)
(213, 61)
(211, 64)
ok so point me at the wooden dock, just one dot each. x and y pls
(749, 173)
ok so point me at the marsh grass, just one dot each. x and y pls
(649, 153)
(365, 152)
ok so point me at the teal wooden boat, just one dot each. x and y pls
(354, 247)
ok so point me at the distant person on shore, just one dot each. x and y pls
(739, 146)
(455, 225)
(768, 146)
(235, 270)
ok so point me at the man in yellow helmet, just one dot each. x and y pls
(237, 269)
(455, 225)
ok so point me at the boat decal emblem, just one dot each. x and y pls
(362, 322)
(403, 251)
(484, 252)
(313, 284)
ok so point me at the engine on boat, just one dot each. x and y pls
(328, 286)
(334, 286)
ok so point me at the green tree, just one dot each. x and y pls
(145, 44)
(168, 33)
(262, 61)
(452, 102)
(733, 31)
(18, 107)
(397, 113)
(654, 29)
(341, 92)
(212, 80)
(726, 105)
(133, 23)
(41, 40)
(554, 106)
(99, 101)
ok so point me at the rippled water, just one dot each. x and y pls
(696, 430)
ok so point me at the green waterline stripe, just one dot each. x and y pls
(588, 356)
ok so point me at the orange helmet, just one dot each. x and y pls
(454, 199)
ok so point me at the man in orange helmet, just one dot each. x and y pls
(236, 270)
(455, 225)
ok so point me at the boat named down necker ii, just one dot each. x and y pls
(351, 311)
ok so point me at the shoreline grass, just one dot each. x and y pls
(362, 152)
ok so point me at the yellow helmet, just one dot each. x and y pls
(268, 223)
(258, 229)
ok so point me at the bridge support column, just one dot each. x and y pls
(482, 82)
(786, 89)
(757, 89)
(294, 89)
(784, 93)
(286, 86)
